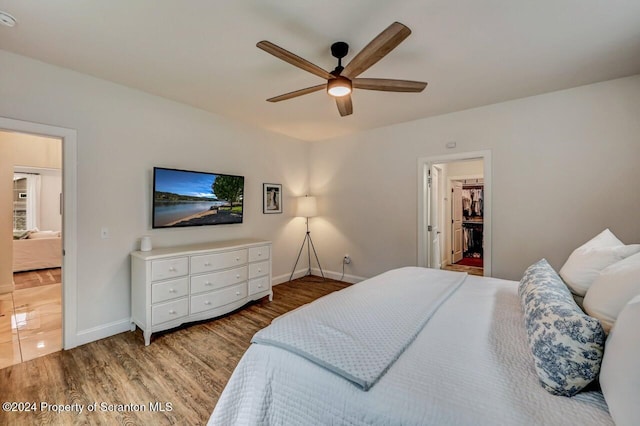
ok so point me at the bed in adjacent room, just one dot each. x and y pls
(37, 250)
(417, 346)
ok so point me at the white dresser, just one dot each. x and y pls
(174, 285)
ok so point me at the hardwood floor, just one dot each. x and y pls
(40, 277)
(184, 370)
(471, 270)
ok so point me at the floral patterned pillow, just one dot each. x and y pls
(567, 344)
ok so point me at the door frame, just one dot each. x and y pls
(424, 203)
(69, 218)
(435, 190)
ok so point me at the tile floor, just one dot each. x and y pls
(30, 323)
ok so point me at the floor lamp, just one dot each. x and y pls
(307, 208)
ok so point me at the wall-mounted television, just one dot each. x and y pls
(189, 198)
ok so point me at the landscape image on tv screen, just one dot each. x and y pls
(189, 198)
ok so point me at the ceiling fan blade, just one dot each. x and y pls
(297, 93)
(294, 60)
(345, 106)
(377, 49)
(389, 85)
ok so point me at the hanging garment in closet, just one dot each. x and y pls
(472, 240)
(472, 202)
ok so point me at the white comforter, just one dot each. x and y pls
(470, 365)
(360, 331)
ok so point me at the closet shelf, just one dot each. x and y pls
(480, 222)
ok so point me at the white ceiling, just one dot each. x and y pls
(203, 53)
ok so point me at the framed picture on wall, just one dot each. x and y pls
(271, 198)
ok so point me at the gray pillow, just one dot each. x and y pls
(567, 345)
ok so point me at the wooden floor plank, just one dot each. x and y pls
(187, 367)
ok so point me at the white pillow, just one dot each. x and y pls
(612, 289)
(584, 264)
(603, 239)
(570, 272)
(619, 374)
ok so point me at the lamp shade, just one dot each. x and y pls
(307, 206)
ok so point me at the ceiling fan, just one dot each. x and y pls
(342, 80)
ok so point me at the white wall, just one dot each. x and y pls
(50, 217)
(121, 135)
(465, 168)
(565, 166)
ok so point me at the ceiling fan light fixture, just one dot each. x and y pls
(339, 86)
(342, 80)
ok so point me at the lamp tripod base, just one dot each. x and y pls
(307, 240)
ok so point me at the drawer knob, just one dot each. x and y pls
(172, 312)
(259, 270)
(259, 285)
(207, 283)
(206, 302)
(259, 254)
(237, 275)
(237, 259)
(172, 269)
(171, 290)
(237, 293)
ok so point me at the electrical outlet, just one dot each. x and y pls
(346, 259)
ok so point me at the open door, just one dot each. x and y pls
(456, 222)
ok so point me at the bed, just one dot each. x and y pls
(39, 251)
(469, 363)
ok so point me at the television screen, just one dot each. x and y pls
(189, 198)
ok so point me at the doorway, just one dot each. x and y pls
(454, 212)
(68, 206)
(465, 237)
(31, 314)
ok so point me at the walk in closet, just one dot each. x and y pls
(472, 220)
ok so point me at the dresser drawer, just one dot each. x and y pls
(168, 290)
(177, 285)
(258, 285)
(170, 268)
(258, 253)
(258, 269)
(212, 262)
(215, 299)
(169, 311)
(216, 280)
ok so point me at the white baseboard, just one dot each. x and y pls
(6, 288)
(102, 331)
(338, 276)
(285, 277)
